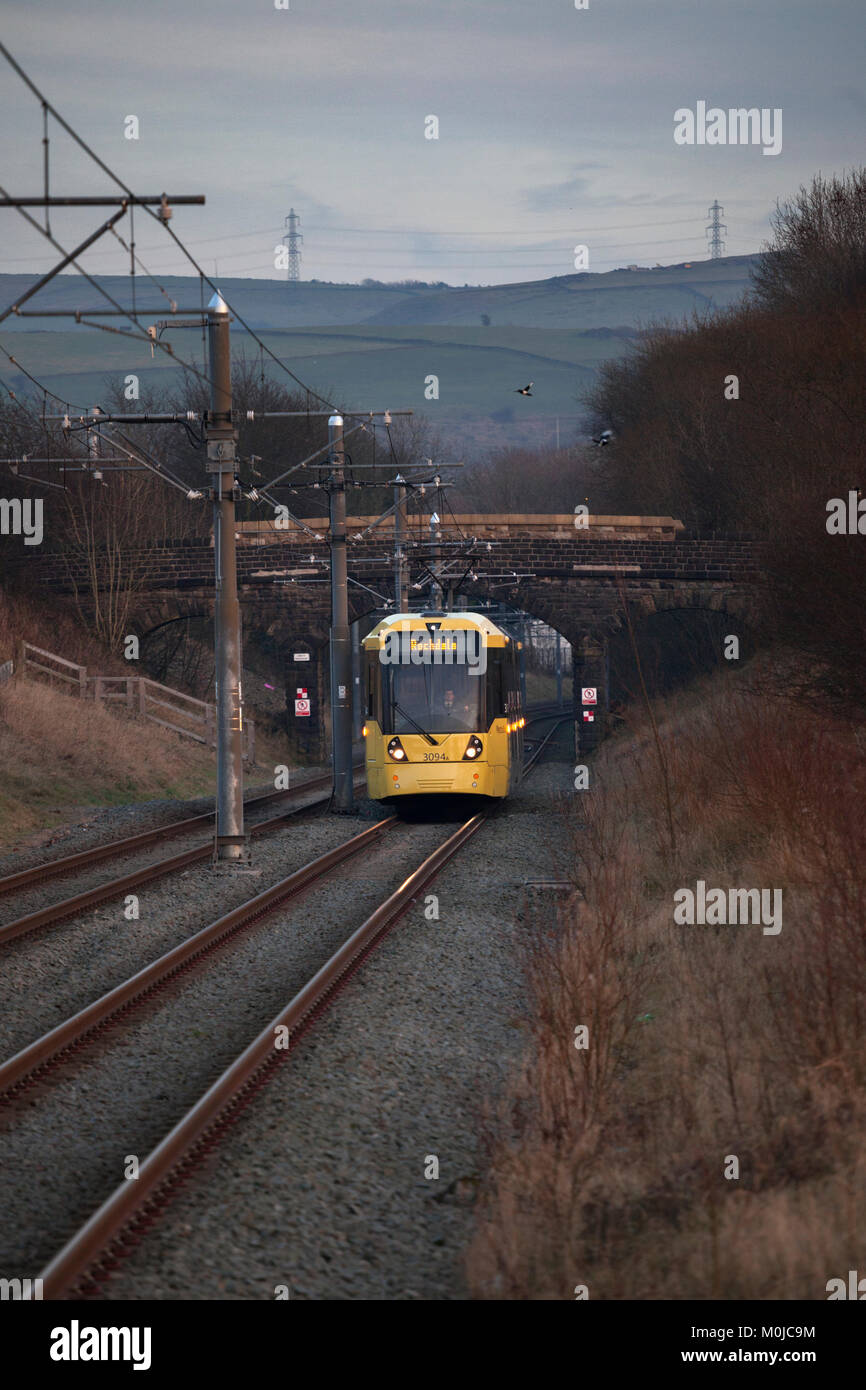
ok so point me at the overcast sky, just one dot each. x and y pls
(555, 127)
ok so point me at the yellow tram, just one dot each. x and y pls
(443, 707)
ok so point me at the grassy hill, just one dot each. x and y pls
(376, 345)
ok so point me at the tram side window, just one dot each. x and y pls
(509, 676)
(496, 684)
(372, 670)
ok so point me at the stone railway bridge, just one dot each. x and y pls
(573, 578)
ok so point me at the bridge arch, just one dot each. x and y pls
(543, 566)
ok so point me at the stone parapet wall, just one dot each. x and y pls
(188, 565)
(560, 526)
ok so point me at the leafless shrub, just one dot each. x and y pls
(714, 1043)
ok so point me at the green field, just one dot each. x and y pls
(376, 346)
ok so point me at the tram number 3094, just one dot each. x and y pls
(435, 757)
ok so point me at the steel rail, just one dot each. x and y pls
(117, 1224)
(81, 902)
(92, 1019)
(116, 887)
(52, 868)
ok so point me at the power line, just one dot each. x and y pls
(311, 394)
(38, 384)
(65, 453)
(495, 234)
(431, 254)
(47, 106)
(143, 456)
(142, 335)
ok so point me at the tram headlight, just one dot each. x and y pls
(396, 751)
(474, 748)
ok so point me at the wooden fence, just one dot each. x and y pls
(160, 704)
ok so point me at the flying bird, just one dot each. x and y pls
(604, 438)
(524, 390)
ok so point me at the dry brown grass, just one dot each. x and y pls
(57, 630)
(607, 1167)
(59, 752)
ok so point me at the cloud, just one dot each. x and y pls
(549, 117)
(555, 197)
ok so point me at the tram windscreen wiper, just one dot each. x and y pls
(416, 725)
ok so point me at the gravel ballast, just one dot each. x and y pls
(321, 1186)
(54, 972)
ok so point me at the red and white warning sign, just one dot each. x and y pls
(588, 716)
(302, 707)
(300, 692)
(589, 695)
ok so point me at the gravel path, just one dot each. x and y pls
(321, 1185)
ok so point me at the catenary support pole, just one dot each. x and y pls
(93, 443)
(357, 690)
(401, 579)
(230, 847)
(558, 669)
(341, 653)
(436, 594)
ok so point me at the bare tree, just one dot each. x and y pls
(535, 481)
(818, 249)
(751, 420)
(102, 567)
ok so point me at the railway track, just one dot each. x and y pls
(55, 913)
(86, 1261)
(73, 906)
(130, 844)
